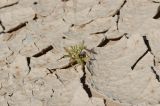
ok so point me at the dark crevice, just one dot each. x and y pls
(53, 91)
(155, 1)
(64, 0)
(125, 1)
(101, 32)
(118, 38)
(43, 51)
(83, 25)
(147, 43)
(72, 25)
(2, 25)
(9, 5)
(2, 32)
(154, 61)
(57, 76)
(133, 66)
(69, 65)
(148, 50)
(28, 63)
(35, 17)
(17, 27)
(104, 101)
(118, 14)
(117, 21)
(63, 37)
(157, 76)
(104, 42)
(85, 86)
(36, 46)
(126, 36)
(35, 3)
(157, 14)
(10, 95)
(50, 71)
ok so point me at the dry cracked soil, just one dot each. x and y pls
(124, 34)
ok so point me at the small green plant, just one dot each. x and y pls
(77, 53)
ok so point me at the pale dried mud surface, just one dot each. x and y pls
(124, 34)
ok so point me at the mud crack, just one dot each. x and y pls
(155, 1)
(148, 50)
(43, 51)
(64, 0)
(146, 41)
(3, 27)
(9, 5)
(157, 15)
(118, 10)
(69, 65)
(85, 86)
(58, 77)
(118, 14)
(17, 27)
(134, 65)
(117, 21)
(157, 76)
(104, 101)
(28, 63)
(35, 17)
(100, 32)
(105, 40)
